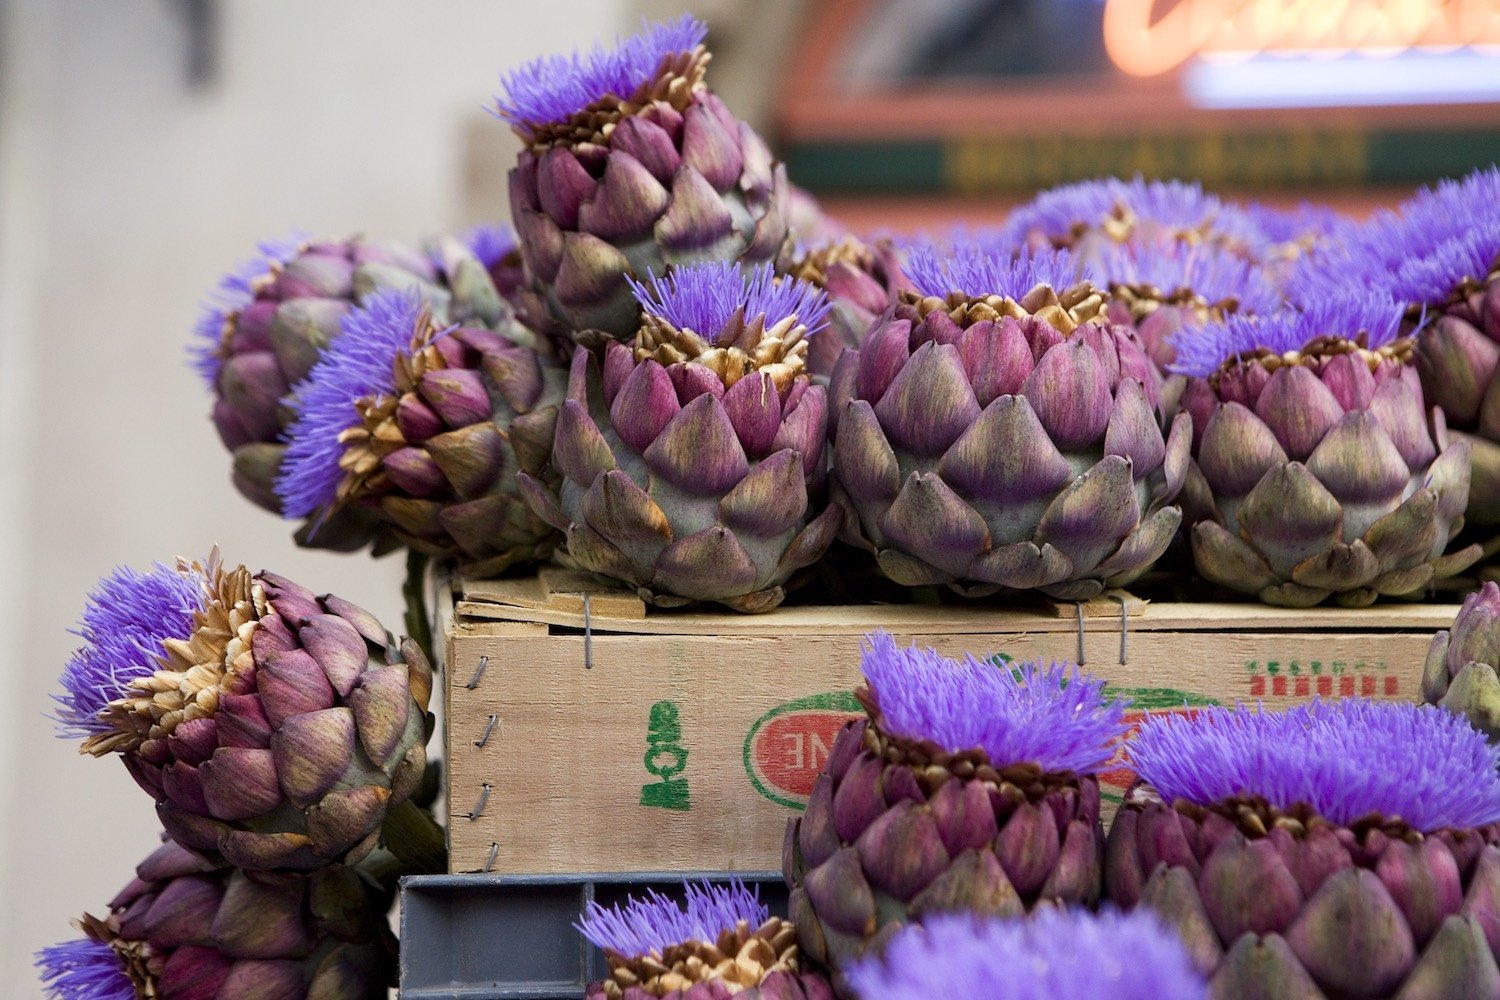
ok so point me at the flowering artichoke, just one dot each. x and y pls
(995, 432)
(692, 462)
(722, 942)
(970, 786)
(271, 725)
(632, 166)
(1460, 674)
(1053, 955)
(428, 427)
(1332, 850)
(861, 281)
(1317, 473)
(187, 928)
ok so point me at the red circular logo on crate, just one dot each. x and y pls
(786, 748)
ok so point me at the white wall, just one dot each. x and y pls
(122, 195)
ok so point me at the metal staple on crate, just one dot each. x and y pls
(478, 810)
(489, 862)
(484, 661)
(489, 727)
(1079, 606)
(1124, 625)
(588, 635)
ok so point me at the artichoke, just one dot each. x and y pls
(187, 928)
(1053, 955)
(1340, 849)
(427, 427)
(861, 280)
(995, 432)
(970, 786)
(631, 166)
(1460, 673)
(1316, 472)
(692, 462)
(721, 942)
(273, 726)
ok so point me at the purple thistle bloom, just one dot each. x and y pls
(704, 297)
(83, 969)
(1345, 759)
(650, 925)
(1026, 713)
(1341, 313)
(1207, 270)
(553, 88)
(1051, 955)
(234, 292)
(1056, 212)
(983, 269)
(127, 618)
(1289, 225)
(360, 363)
(489, 243)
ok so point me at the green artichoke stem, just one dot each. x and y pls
(413, 836)
(418, 621)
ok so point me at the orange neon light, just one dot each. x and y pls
(1144, 42)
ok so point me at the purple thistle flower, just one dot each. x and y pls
(360, 363)
(127, 618)
(1341, 313)
(1345, 759)
(650, 925)
(234, 292)
(553, 88)
(83, 969)
(1051, 716)
(1289, 225)
(489, 243)
(1056, 212)
(983, 269)
(704, 297)
(1051, 955)
(1208, 270)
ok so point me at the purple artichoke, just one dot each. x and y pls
(862, 281)
(1460, 674)
(187, 928)
(1053, 955)
(995, 432)
(1332, 850)
(692, 463)
(271, 725)
(720, 943)
(1317, 473)
(427, 427)
(631, 166)
(971, 786)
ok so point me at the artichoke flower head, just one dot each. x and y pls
(720, 942)
(1330, 849)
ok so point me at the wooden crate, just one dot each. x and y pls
(588, 735)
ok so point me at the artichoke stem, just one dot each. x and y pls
(418, 621)
(413, 836)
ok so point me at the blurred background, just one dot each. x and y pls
(146, 144)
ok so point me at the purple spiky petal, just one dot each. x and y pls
(127, 618)
(359, 364)
(651, 924)
(1341, 313)
(83, 969)
(552, 88)
(233, 292)
(1345, 759)
(1208, 270)
(489, 243)
(1049, 715)
(1052, 955)
(704, 297)
(980, 269)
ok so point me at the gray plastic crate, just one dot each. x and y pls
(511, 937)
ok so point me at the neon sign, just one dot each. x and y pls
(1144, 43)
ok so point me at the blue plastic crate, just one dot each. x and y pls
(511, 937)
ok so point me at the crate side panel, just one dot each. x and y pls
(673, 753)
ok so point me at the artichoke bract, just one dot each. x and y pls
(1342, 849)
(273, 726)
(1318, 472)
(970, 786)
(861, 280)
(1460, 673)
(427, 427)
(691, 462)
(631, 166)
(720, 942)
(187, 928)
(995, 432)
(1053, 955)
